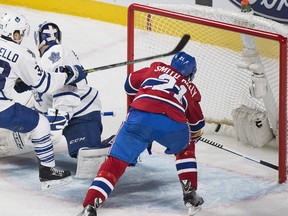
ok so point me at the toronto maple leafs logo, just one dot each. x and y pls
(54, 57)
(17, 19)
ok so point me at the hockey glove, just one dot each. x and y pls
(196, 136)
(58, 120)
(20, 86)
(75, 74)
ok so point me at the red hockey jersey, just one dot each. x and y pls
(162, 89)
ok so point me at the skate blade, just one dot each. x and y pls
(194, 210)
(47, 185)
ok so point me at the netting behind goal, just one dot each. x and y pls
(223, 44)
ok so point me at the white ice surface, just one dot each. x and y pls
(229, 184)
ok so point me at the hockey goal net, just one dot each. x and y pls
(231, 50)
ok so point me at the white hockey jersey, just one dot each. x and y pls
(19, 62)
(77, 101)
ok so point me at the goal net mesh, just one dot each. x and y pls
(221, 76)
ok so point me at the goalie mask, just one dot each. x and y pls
(47, 34)
(11, 23)
(185, 64)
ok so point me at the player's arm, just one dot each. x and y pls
(43, 82)
(195, 117)
(133, 82)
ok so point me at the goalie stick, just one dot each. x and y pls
(218, 145)
(184, 40)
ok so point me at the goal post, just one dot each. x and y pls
(231, 50)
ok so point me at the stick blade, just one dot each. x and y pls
(184, 40)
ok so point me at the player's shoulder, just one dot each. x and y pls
(55, 48)
(15, 49)
(162, 67)
(158, 64)
(195, 93)
(53, 54)
(65, 52)
(155, 66)
(61, 48)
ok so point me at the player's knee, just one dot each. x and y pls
(42, 127)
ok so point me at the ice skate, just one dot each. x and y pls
(191, 199)
(51, 177)
(90, 210)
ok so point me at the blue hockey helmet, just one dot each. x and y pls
(184, 64)
(48, 33)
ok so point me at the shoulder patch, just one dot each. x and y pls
(54, 57)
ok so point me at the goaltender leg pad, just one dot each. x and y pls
(84, 131)
(14, 143)
(89, 161)
(252, 126)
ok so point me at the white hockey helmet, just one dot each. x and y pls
(48, 33)
(11, 22)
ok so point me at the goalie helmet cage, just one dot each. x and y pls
(223, 43)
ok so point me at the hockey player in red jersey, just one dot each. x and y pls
(164, 108)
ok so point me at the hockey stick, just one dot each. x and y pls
(218, 145)
(110, 113)
(184, 40)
